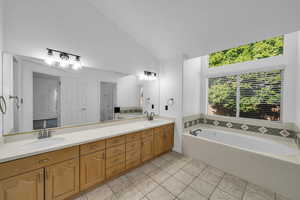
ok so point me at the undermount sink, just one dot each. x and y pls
(44, 142)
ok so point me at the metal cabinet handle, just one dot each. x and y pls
(3, 107)
(43, 161)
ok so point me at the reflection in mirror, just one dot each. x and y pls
(42, 96)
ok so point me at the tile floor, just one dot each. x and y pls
(174, 176)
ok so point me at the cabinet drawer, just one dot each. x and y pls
(133, 137)
(115, 141)
(115, 171)
(136, 145)
(147, 133)
(111, 162)
(133, 155)
(92, 147)
(19, 166)
(132, 163)
(114, 151)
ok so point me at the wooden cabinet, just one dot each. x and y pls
(168, 135)
(115, 159)
(62, 180)
(147, 150)
(92, 169)
(26, 186)
(163, 139)
(60, 174)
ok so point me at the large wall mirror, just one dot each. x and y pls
(41, 96)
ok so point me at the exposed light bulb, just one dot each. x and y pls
(49, 59)
(63, 63)
(77, 64)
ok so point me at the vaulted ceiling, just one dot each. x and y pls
(171, 28)
(133, 35)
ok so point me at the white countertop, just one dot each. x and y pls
(24, 148)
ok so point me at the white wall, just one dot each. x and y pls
(128, 91)
(171, 87)
(191, 86)
(74, 26)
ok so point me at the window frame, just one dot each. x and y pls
(245, 68)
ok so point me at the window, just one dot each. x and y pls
(253, 51)
(252, 95)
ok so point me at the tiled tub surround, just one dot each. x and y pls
(174, 176)
(281, 129)
(276, 172)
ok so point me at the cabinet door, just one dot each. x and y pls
(158, 141)
(26, 186)
(62, 180)
(92, 169)
(147, 149)
(168, 137)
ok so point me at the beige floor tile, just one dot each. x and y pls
(82, 197)
(168, 157)
(145, 186)
(136, 176)
(221, 195)
(171, 168)
(159, 162)
(190, 194)
(147, 168)
(174, 186)
(184, 177)
(210, 177)
(202, 187)
(119, 184)
(159, 175)
(197, 163)
(101, 193)
(130, 193)
(233, 185)
(192, 169)
(256, 192)
(253, 195)
(281, 197)
(159, 193)
(215, 170)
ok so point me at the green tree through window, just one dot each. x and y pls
(259, 93)
(253, 51)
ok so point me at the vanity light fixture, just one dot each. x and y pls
(148, 76)
(63, 59)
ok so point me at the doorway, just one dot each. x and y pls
(46, 101)
(108, 99)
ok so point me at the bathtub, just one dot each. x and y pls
(265, 162)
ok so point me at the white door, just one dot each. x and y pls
(74, 101)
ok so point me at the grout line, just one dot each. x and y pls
(247, 183)
(216, 186)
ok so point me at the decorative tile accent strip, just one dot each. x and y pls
(130, 110)
(262, 130)
(244, 127)
(241, 126)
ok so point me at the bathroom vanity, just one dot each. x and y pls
(85, 159)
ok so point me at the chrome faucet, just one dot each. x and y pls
(150, 116)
